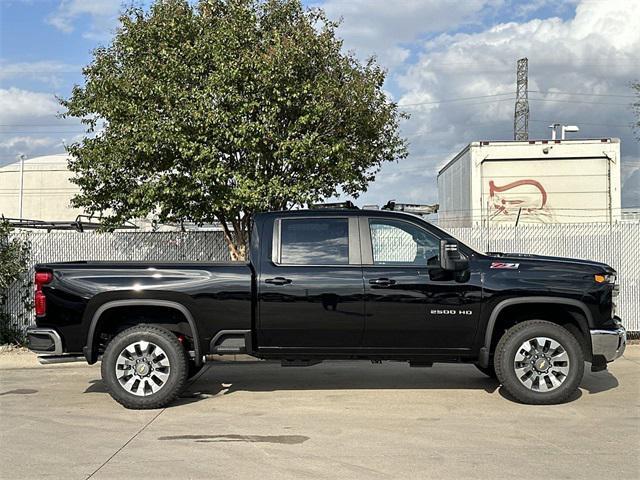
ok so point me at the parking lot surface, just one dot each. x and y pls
(343, 420)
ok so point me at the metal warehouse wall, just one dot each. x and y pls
(617, 245)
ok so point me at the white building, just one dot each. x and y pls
(536, 181)
(46, 190)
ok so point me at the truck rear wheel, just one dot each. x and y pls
(145, 367)
(539, 362)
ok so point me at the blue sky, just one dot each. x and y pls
(581, 53)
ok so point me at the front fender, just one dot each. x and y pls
(485, 351)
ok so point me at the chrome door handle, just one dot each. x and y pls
(382, 282)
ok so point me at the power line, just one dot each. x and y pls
(630, 124)
(577, 101)
(461, 99)
(583, 94)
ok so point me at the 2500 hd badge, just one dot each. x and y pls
(451, 312)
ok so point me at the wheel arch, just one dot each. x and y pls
(485, 351)
(91, 352)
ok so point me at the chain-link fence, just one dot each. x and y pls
(117, 246)
(616, 245)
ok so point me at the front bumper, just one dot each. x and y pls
(609, 344)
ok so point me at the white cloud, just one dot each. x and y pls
(20, 105)
(102, 14)
(49, 72)
(29, 125)
(384, 28)
(596, 52)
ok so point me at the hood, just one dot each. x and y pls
(533, 259)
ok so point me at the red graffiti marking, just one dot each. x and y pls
(502, 207)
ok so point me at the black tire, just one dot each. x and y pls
(505, 358)
(175, 374)
(489, 371)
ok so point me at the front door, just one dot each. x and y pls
(410, 302)
(311, 289)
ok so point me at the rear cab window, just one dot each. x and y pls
(314, 241)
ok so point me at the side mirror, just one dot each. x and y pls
(450, 258)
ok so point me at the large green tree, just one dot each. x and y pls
(221, 109)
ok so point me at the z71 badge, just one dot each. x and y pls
(508, 266)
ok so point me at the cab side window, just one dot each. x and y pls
(315, 241)
(395, 242)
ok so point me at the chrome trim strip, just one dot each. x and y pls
(55, 336)
(365, 241)
(354, 242)
(275, 242)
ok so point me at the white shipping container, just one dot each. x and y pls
(541, 181)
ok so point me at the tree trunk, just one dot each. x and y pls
(236, 240)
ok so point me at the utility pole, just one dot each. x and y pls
(521, 114)
(22, 158)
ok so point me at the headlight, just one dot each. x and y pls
(605, 278)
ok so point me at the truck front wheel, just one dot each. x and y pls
(539, 362)
(145, 367)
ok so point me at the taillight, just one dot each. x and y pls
(39, 298)
(40, 301)
(43, 278)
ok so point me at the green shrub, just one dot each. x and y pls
(14, 261)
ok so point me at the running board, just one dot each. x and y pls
(49, 359)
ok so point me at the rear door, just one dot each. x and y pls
(310, 289)
(411, 303)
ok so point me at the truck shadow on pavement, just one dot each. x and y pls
(227, 378)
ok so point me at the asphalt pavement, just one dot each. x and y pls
(337, 420)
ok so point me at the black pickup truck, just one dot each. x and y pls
(333, 284)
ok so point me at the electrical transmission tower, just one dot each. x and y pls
(521, 114)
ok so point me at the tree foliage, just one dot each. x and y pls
(225, 108)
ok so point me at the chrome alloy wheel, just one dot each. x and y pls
(142, 368)
(541, 364)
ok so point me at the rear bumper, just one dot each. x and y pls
(47, 343)
(609, 344)
(44, 341)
